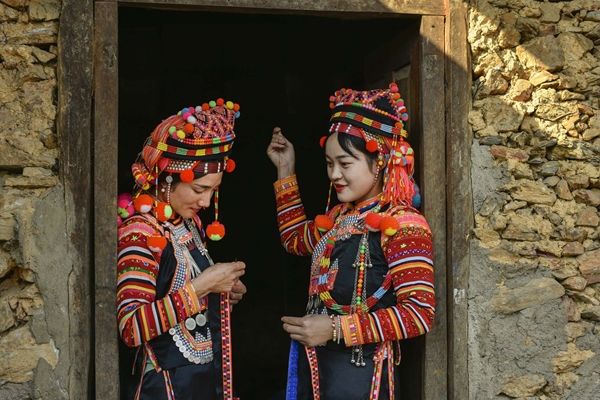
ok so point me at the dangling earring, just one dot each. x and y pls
(163, 190)
(169, 180)
(215, 231)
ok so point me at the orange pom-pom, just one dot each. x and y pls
(163, 211)
(215, 231)
(205, 107)
(220, 102)
(373, 221)
(323, 223)
(322, 141)
(372, 146)
(187, 176)
(236, 107)
(143, 203)
(156, 244)
(331, 105)
(230, 165)
(390, 225)
(188, 128)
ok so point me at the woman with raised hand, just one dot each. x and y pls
(371, 282)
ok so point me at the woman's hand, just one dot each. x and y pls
(219, 278)
(237, 292)
(281, 152)
(310, 330)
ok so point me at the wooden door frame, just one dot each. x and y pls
(87, 126)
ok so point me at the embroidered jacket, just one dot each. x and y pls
(142, 317)
(409, 257)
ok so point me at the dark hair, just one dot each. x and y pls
(349, 143)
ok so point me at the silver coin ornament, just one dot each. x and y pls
(190, 324)
(200, 320)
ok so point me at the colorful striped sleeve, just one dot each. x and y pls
(298, 235)
(141, 316)
(410, 258)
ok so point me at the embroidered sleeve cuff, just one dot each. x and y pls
(285, 184)
(351, 330)
(196, 304)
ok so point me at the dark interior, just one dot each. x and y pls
(281, 69)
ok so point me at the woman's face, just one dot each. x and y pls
(353, 177)
(187, 198)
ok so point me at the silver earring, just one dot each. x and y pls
(169, 180)
(163, 190)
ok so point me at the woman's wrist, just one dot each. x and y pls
(283, 173)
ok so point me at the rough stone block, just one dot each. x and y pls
(32, 182)
(574, 150)
(523, 386)
(7, 227)
(18, 4)
(506, 153)
(579, 181)
(588, 217)
(33, 33)
(589, 265)
(535, 292)
(20, 354)
(572, 249)
(488, 237)
(521, 90)
(540, 54)
(576, 283)
(44, 10)
(7, 319)
(537, 78)
(570, 359)
(589, 197)
(550, 12)
(534, 193)
(592, 313)
(555, 111)
(571, 310)
(574, 45)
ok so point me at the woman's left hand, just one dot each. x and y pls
(237, 292)
(310, 330)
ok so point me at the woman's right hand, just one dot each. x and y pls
(219, 278)
(281, 152)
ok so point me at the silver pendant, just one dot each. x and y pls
(190, 324)
(200, 319)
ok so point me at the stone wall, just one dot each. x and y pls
(534, 287)
(34, 336)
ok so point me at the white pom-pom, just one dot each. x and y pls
(191, 120)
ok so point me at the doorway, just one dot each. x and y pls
(281, 69)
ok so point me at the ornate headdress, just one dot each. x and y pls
(196, 140)
(378, 117)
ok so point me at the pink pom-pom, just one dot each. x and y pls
(186, 115)
(119, 221)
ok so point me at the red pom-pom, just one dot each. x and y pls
(373, 221)
(163, 163)
(372, 146)
(205, 107)
(331, 105)
(156, 244)
(215, 231)
(323, 223)
(220, 102)
(188, 128)
(390, 225)
(229, 165)
(187, 176)
(322, 141)
(143, 203)
(163, 212)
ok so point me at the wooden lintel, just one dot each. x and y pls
(106, 100)
(431, 82)
(384, 7)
